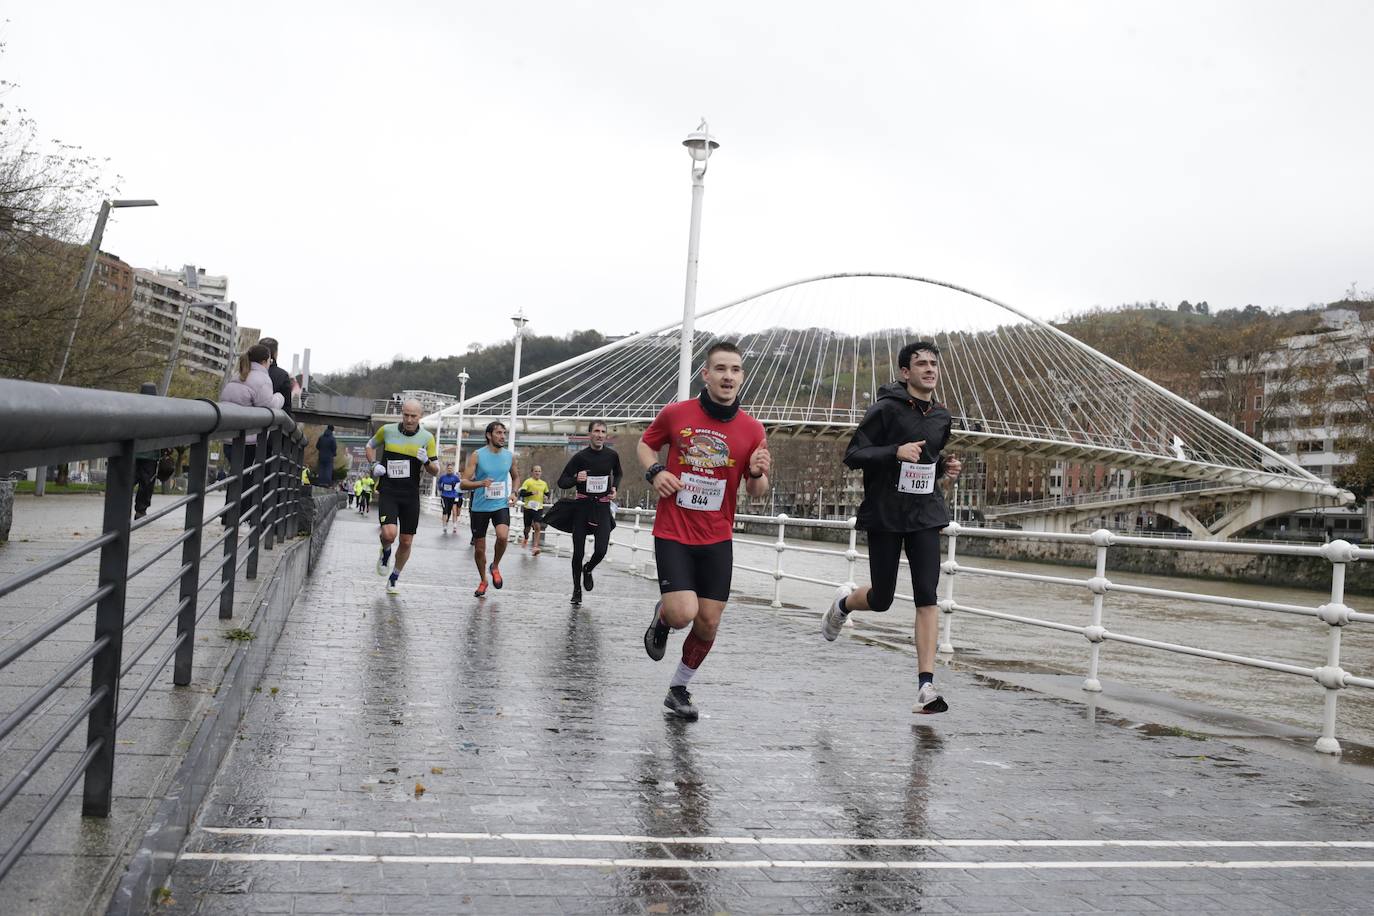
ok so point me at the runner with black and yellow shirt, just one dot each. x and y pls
(401, 451)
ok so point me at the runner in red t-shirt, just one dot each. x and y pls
(712, 444)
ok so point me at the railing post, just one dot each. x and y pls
(271, 486)
(288, 486)
(1336, 615)
(109, 625)
(234, 497)
(190, 554)
(259, 497)
(950, 568)
(780, 546)
(1095, 632)
(852, 554)
(634, 543)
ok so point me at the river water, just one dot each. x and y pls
(1268, 695)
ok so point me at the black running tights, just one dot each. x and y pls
(884, 562)
(602, 543)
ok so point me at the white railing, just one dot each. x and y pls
(1331, 676)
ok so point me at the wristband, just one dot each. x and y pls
(753, 476)
(654, 471)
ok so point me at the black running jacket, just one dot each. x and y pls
(893, 420)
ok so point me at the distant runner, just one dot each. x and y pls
(595, 473)
(449, 497)
(489, 474)
(401, 452)
(534, 491)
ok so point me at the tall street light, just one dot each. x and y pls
(700, 144)
(519, 320)
(83, 285)
(462, 396)
(88, 270)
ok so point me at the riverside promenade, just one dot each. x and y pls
(435, 753)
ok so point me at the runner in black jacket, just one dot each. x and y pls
(898, 447)
(595, 473)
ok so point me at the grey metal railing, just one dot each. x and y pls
(49, 424)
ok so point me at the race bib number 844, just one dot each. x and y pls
(702, 494)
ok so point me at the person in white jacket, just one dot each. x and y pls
(253, 388)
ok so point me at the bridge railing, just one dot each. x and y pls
(1334, 613)
(1106, 498)
(51, 424)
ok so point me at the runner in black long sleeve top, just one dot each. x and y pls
(595, 473)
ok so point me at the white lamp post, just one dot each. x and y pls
(519, 320)
(700, 144)
(462, 396)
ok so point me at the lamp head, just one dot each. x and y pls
(700, 143)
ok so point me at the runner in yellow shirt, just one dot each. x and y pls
(532, 494)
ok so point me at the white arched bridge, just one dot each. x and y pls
(818, 349)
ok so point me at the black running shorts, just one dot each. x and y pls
(448, 505)
(480, 521)
(701, 568)
(885, 550)
(534, 517)
(402, 509)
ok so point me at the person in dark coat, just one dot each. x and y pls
(327, 448)
(281, 379)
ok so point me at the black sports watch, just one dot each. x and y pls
(654, 471)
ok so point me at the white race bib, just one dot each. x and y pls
(916, 478)
(703, 494)
(397, 469)
(496, 490)
(599, 484)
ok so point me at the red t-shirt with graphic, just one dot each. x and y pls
(709, 456)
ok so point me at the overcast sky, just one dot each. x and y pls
(397, 179)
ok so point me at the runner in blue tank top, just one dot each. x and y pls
(490, 475)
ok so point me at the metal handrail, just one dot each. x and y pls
(1335, 613)
(51, 424)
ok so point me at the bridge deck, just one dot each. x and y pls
(553, 783)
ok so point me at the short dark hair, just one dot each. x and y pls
(258, 352)
(271, 344)
(595, 423)
(911, 349)
(491, 426)
(723, 345)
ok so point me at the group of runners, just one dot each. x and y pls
(712, 447)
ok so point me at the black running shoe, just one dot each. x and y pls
(587, 582)
(680, 702)
(656, 637)
(576, 599)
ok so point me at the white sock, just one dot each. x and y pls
(682, 675)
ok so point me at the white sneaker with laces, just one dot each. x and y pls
(928, 701)
(834, 618)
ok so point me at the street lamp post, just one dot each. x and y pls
(181, 330)
(83, 286)
(462, 396)
(520, 321)
(700, 144)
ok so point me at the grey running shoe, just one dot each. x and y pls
(834, 619)
(393, 584)
(656, 637)
(680, 702)
(928, 700)
(383, 558)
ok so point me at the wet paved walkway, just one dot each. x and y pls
(433, 753)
